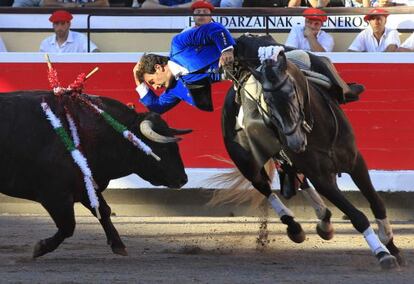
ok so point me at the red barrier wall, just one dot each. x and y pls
(383, 119)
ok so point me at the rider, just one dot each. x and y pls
(195, 57)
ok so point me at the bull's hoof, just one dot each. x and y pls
(120, 250)
(325, 231)
(40, 249)
(387, 261)
(294, 229)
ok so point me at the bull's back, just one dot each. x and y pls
(29, 148)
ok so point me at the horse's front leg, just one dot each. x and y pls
(362, 180)
(294, 229)
(326, 185)
(324, 227)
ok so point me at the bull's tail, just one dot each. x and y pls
(236, 188)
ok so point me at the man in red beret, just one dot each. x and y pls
(377, 37)
(202, 7)
(64, 40)
(310, 37)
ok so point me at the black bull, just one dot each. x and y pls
(35, 164)
(319, 153)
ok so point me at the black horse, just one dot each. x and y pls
(315, 135)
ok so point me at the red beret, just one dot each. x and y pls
(60, 16)
(202, 4)
(315, 14)
(375, 12)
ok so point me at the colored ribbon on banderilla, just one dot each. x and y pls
(77, 156)
(76, 88)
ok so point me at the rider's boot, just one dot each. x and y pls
(345, 92)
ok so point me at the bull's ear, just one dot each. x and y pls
(176, 131)
(256, 74)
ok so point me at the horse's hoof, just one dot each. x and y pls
(298, 237)
(326, 233)
(120, 251)
(294, 229)
(400, 259)
(396, 252)
(39, 249)
(387, 261)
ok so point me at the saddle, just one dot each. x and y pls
(246, 58)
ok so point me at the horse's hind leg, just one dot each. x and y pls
(294, 229)
(324, 227)
(62, 212)
(112, 236)
(326, 185)
(362, 180)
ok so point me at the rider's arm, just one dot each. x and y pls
(159, 104)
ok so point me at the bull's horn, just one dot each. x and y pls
(146, 129)
(176, 131)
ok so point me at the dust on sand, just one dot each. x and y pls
(195, 249)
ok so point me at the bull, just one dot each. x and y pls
(35, 164)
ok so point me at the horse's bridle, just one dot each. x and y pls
(302, 119)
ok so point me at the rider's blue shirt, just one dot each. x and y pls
(198, 50)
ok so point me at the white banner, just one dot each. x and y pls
(148, 23)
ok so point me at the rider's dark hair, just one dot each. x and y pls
(148, 62)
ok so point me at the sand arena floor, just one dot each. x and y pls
(195, 250)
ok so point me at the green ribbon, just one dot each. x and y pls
(64, 136)
(114, 123)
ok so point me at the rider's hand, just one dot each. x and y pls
(134, 71)
(226, 58)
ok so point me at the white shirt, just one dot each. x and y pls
(2, 46)
(297, 39)
(409, 42)
(76, 42)
(403, 2)
(365, 40)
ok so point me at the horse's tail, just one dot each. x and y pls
(236, 188)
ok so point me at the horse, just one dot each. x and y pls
(317, 138)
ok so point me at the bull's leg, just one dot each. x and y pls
(63, 215)
(324, 227)
(294, 229)
(111, 233)
(362, 180)
(326, 185)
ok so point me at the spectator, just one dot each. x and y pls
(309, 3)
(231, 3)
(167, 3)
(267, 3)
(202, 7)
(2, 46)
(311, 37)
(75, 3)
(27, 3)
(377, 37)
(65, 40)
(408, 44)
(357, 3)
(6, 3)
(381, 3)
